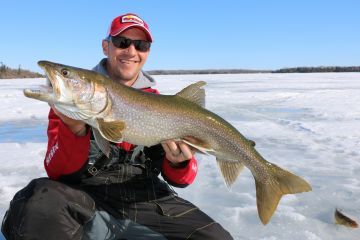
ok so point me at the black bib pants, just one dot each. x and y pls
(110, 198)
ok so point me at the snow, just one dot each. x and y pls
(306, 123)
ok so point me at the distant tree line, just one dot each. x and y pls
(205, 71)
(318, 69)
(9, 73)
(238, 71)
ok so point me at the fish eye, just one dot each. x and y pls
(65, 72)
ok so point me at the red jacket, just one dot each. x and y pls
(68, 153)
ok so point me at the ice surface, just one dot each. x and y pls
(306, 123)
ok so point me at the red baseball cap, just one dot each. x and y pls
(126, 21)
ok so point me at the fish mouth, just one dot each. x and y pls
(47, 93)
(43, 93)
(49, 69)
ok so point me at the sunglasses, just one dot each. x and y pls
(123, 43)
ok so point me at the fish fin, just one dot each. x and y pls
(194, 93)
(229, 170)
(269, 192)
(112, 130)
(252, 142)
(103, 144)
(198, 144)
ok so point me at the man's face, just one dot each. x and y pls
(124, 65)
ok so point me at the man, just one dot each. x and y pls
(91, 196)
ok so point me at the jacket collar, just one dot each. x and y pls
(144, 80)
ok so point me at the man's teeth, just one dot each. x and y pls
(128, 61)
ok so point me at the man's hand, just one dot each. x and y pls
(76, 126)
(177, 152)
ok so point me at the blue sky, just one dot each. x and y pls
(198, 34)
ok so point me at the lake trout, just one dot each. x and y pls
(119, 113)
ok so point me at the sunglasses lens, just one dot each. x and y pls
(141, 45)
(122, 42)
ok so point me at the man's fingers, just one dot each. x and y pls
(186, 151)
(165, 146)
(173, 147)
(177, 152)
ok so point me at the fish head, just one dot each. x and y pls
(73, 90)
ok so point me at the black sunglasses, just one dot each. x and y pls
(123, 42)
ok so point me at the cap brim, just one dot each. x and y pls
(121, 30)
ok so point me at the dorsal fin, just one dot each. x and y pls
(194, 93)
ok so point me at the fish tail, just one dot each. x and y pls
(270, 191)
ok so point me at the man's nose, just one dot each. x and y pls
(131, 49)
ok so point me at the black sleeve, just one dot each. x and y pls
(156, 155)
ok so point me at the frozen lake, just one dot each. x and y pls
(306, 123)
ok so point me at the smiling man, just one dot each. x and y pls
(91, 196)
(124, 65)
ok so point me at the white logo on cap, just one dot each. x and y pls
(132, 19)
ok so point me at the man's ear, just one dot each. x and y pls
(105, 47)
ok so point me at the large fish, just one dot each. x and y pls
(119, 113)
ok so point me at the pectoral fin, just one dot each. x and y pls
(112, 130)
(103, 144)
(229, 170)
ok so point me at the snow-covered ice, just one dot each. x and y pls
(306, 123)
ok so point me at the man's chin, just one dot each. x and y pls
(126, 76)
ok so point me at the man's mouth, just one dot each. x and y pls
(128, 61)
